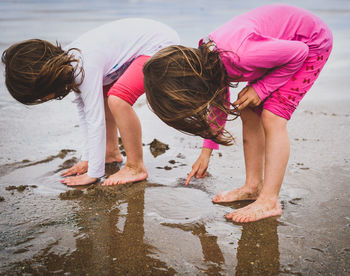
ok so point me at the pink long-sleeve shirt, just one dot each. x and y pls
(268, 45)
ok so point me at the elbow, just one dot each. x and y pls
(303, 52)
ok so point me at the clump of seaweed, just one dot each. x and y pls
(157, 147)
(71, 194)
(19, 188)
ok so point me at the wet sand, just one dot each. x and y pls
(159, 226)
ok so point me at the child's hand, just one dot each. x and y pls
(79, 180)
(247, 97)
(79, 168)
(199, 168)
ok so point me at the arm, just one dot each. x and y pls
(199, 168)
(83, 125)
(220, 119)
(82, 166)
(282, 59)
(92, 96)
(94, 130)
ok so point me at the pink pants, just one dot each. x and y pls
(284, 100)
(129, 86)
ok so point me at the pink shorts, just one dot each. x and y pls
(129, 86)
(285, 100)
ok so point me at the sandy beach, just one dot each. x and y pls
(160, 226)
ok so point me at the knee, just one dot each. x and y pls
(271, 121)
(116, 103)
(246, 115)
(243, 116)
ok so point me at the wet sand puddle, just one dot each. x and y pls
(143, 228)
(161, 227)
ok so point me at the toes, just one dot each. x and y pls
(70, 184)
(230, 215)
(67, 181)
(240, 218)
(246, 219)
(121, 179)
(248, 215)
(216, 198)
(111, 182)
(219, 197)
(106, 182)
(236, 218)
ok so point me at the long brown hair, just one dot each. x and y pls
(183, 85)
(37, 68)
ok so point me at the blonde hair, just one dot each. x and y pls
(183, 85)
(37, 68)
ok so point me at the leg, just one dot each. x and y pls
(130, 132)
(254, 148)
(276, 159)
(278, 108)
(112, 148)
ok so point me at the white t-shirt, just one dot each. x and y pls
(105, 52)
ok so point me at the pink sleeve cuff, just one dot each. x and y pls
(258, 91)
(209, 144)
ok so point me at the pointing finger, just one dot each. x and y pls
(191, 174)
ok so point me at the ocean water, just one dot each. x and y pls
(63, 21)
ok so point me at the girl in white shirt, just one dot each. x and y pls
(104, 69)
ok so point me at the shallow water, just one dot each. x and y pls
(159, 226)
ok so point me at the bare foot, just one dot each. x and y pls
(127, 174)
(79, 180)
(255, 211)
(241, 193)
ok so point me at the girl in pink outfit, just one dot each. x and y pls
(279, 50)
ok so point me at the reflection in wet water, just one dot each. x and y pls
(101, 248)
(144, 228)
(106, 250)
(212, 254)
(191, 204)
(110, 236)
(257, 252)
